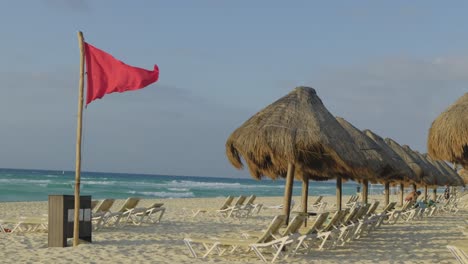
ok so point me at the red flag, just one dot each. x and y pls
(108, 75)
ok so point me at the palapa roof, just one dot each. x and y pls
(453, 177)
(407, 158)
(441, 176)
(430, 173)
(464, 175)
(448, 135)
(403, 171)
(379, 162)
(297, 128)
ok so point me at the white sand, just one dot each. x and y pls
(417, 242)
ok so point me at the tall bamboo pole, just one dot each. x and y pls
(365, 191)
(402, 193)
(305, 195)
(288, 191)
(338, 193)
(387, 193)
(76, 224)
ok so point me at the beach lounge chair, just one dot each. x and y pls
(151, 214)
(384, 214)
(459, 254)
(125, 212)
(98, 216)
(233, 210)
(394, 215)
(227, 203)
(279, 206)
(347, 225)
(292, 228)
(94, 203)
(24, 224)
(327, 231)
(352, 201)
(318, 205)
(311, 233)
(250, 206)
(221, 245)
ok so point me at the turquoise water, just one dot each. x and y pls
(36, 185)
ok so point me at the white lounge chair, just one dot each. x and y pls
(233, 210)
(100, 212)
(266, 240)
(311, 233)
(318, 205)
(250, 206)
(24, 224)
(151, 214)
(227, 203)
(125, 212)
(459, 254)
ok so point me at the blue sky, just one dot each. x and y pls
(391, 67)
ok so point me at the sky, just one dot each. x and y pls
(391, 67)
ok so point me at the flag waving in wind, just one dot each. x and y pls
(107, 75)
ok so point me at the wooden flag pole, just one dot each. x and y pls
(76, 224)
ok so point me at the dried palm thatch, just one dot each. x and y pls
(453, 177)
(295, 129)
(430, 173)
(403, 173)
(464, 175)
(408, 159)
(447, 167)
(380, 164)
(448, 135)
(441, 177)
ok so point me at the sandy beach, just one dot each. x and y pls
(422, 241)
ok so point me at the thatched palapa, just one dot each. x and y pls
(295, 129)
(407, 158)
(403, 172)
(453, 178)
(429, 172)
(441, 176)
(448, 135)
(380, 164)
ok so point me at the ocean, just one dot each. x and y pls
(36, 185)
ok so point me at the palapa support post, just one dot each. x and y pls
(415, 187)
(288, 191)
(425, 193)
(76, 224)
(402, 193)
(338, 193)
(305, 195)
(387, 193)
(365, 191)
(434, 194)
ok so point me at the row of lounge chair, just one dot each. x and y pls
(326, 232)
(243, 207)
(128, 213)
(102, 216)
